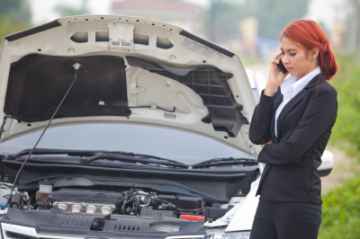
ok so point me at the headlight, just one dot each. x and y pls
(237, 235)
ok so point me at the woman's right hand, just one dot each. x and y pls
(276, 77)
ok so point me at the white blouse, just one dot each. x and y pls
(290, 87)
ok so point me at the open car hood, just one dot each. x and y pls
(128, 69)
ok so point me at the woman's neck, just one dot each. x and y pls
(306, 72)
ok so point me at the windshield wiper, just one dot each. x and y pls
(47, 151)
(225, 161)
(134, 158)
(89, 156)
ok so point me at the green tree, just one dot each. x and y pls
(273, 15)
(224, 16)
(18, 10)
(7, 26)
(66, 10)
(222, 20)
(15, 15)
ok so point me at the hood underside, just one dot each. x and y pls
(191, 83)
(37, 84)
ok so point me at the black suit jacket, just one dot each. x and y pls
(304, 127)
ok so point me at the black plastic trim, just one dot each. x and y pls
(206, 43)
(34, 30)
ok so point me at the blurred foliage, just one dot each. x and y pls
(7, 26)
(224, 16)
(346, 132)
(15, 15)
(17, 10)
(273, 15)
(66, 10)
(341, 207)
(341, 212)
(223, 20)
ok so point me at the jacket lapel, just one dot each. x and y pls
(297, 99)
(277, 101)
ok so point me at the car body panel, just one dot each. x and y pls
(164, 45)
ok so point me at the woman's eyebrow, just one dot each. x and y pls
(289, 49)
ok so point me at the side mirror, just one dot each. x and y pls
(327, 163)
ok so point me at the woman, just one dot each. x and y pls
(293, 120)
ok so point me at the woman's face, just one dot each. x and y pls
(296, 58)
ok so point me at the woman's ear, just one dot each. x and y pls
(314, 53)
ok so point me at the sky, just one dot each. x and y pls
(43, 10)
(325, 10)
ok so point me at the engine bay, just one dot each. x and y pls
(67, 195)
(101, 203)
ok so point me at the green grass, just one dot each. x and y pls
(341, 212)
(341, 206)
(346, 132)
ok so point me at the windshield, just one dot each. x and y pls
(186, 147)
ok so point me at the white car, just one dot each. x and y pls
(121, 127)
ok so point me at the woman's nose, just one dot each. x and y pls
(285, 60)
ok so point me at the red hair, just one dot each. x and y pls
(309, 34)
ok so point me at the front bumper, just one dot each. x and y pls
(54, 224)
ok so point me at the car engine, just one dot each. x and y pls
(131, 201)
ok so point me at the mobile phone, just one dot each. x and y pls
(281, 67)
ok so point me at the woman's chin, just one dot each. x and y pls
(291, 73)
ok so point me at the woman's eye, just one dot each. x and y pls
(292, 53)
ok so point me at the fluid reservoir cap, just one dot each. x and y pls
(192, 218)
